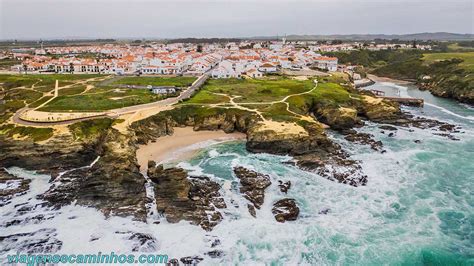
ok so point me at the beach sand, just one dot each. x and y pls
(384, 79)
(183, 144)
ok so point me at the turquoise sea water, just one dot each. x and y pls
(417, 208)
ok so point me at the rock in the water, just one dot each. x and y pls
(253, 186)
(324, 211)
(178, 197)
(387, 127)
(285, 210)
(284, 186)
(143, 242)
(191, 260)
(40, 241)
(11, 186)
(113, 184)
(215, 253)
(363, 138)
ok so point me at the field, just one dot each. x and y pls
(250, 90)
(8, 62)
(100, 100)
(42, 82)
(468, 58)
(265, 96)
(156, 81)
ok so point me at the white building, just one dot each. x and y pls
(267, 68)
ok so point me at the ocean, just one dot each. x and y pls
(416, 209)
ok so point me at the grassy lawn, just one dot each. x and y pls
(28, 96)
(325, 94)
(8, 62)
(156, 81)
(468, 58)
(278, 112)
(457, 47)
(90, 128)
(93, 102)
(41, 80)
(40, 101)
(71, 90)
(32, 133)
(251, 90)
(329, 92)
(206, 97)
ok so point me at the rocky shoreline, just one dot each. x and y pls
(115, 186)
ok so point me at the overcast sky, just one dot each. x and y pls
(31, 19)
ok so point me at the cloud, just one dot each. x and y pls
(227, 18)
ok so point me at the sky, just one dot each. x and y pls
(50, 19)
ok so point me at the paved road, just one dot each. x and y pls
(121, 111)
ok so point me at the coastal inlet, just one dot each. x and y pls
(232, 206)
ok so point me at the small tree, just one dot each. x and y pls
(71, 68)
(25, 68)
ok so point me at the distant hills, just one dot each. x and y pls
(425, 36)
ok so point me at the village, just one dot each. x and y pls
(229, 60)
(232, 60)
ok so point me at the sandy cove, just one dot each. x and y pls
(182, 144)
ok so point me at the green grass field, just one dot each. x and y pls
(32, 133)
(266, 91)
(455, 47)
(90, 128)
(93, 101)
(156, 81)
(250, 90)
(44, 81)
(72, 90)
(468, 58)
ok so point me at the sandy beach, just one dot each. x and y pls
(184, 143)
(384, 79)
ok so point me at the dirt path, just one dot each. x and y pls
(233, 104)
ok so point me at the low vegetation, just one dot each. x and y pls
(466, 57)
(90, 128)
(72, 90)
(156, 81)
(250, 90)
(101, 101)
(445, 74)
(30, 133)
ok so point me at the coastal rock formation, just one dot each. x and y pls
(362, 138)
(378, 109)
(113, 185)
(194, 199)
(11, 186)
(57, 154)
(285, 210)
(336, 167)
(41, 241)
(286, 138)
(284, 186)
(228, 120)
(253, 187)
(338, 118)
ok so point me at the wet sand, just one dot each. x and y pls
(183, 144)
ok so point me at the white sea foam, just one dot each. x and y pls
(444, 110)
(397, 212)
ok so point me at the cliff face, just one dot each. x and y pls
(113, 185)
(58, 154)
(450, 87)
